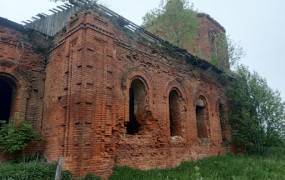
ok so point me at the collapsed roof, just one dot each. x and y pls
(52, 24)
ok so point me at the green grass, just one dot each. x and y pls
(215, 168)
(270, 166)
(33, 170)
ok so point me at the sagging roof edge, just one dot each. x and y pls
(11, 24)
(194, 60)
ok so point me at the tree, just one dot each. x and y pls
(229, 49)
(257, 112)
(73, 1)
(175, 21)
(235, 52)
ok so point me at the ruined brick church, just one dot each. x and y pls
(104, 92)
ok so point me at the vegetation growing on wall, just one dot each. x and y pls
(72, 1)
(14, 139)
(226, 50)
(257, 114)
(175, 21)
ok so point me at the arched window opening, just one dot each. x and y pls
(222, 117)
(202, 117)
(137, 101)
(175, 113)
(6, 95)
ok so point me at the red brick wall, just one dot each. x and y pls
(24, 67)
(86, 103)
(85, 99)
(203, 47)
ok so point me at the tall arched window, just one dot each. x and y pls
(202, 118)
(137, 102)
(7, 89)
(175, 113)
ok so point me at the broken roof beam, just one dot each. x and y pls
(84, 1)
(123, 22)
(61, 8)
(57, 10)
(35, 18)
(40, 16)
(68, 5)
(77, 3)
(65, 6)
(24, 22)
(44, 14)
(51, 10)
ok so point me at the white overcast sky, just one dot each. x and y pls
(258, 25)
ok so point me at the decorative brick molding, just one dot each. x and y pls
(78, 96)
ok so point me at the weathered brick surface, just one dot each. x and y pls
(203, 44)
(86, 101)
(20, 64)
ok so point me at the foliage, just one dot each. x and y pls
(257, 114)
(222, 168)
(235, 52)
(91, 177)
(13, 139)
(71, 1)
(174, 21)
(30, 171)
(219, 53)
(226, 50)
(177, 22)
(269, 166)
(35, 170)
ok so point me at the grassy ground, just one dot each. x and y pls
(271, 167)
(34, 170)
(215, 168)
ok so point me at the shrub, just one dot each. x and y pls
(14, 139)
(91, 177)
(30, 171)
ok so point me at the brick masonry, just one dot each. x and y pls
(22, 65)
(80, 99)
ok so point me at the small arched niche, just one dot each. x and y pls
(137, 102)
(7, 92)
(202, 118)
(175, 113)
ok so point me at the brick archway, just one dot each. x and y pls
(7, 93)
(202, 117)
(176, 108)
(19, 95)
(137, 104)
(142, 86)
(175, 112)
